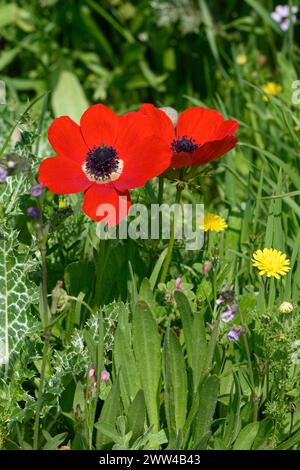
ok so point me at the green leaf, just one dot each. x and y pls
(109, 413)
(136, 416)
(234, 411)
(16, 295)
(124, 360)
(291, 441)
(175, 377)
(8, 14)
(246, 437)
(68, 97)
(199, 348)
(157, 268)
(79, 277)
(79, 399)
(210, 30)
(8, 56)
(53, 442)
(187, 318)
(208, 392)
(147, 351)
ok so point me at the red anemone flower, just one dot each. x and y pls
(104, 157)
(201, 135)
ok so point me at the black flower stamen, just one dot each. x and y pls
(102, 164)
(184, 144)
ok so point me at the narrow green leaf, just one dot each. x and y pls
(187, 319)
(290, 442)
(157, 268)
(175, 377)
(136, 416)
(109, 413)
(200, 349)
(208, 392)
(124, 360)
(246, 437)
(147, 351)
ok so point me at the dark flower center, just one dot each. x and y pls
(101, 163)
(184, 144)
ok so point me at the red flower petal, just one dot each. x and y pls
(213, 150)
(204, 125)
(62, 176)
(99, 125)
(209, 129)
(65, 137)
(160, 122)
(103, 201)
(181, 159)
(144, 153)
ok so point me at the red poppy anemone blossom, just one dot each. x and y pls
(200, 135)
(104, 157)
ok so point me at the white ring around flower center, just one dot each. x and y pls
(112, 177)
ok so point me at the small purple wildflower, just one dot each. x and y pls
(33, 212)
(227, 316)
(105, 376)
(234, 334)
(3, 174)
(91, 373)
(285, 15)
(226, 296)
(37, 190)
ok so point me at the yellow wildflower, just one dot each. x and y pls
(271, 89)
(214, 223)
(271, 262)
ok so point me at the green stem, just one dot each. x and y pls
(102, 258)
(160, 195)
(255, 399)
(160, 201)
(168, 258)
(47, 335)
(40, 392)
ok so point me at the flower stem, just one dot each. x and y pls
(47, 334)
(101, 263)
(168, 258)
(160, 196)
(255, 398)
(40, 392)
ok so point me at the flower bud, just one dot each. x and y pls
(105, 376)
(286, 307)
(207, 266)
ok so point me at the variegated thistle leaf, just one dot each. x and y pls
(16, 295)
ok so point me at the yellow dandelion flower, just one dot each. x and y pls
(241, 59)
(214, 223)
(286, 307)
(271, 89)
(271, 262)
